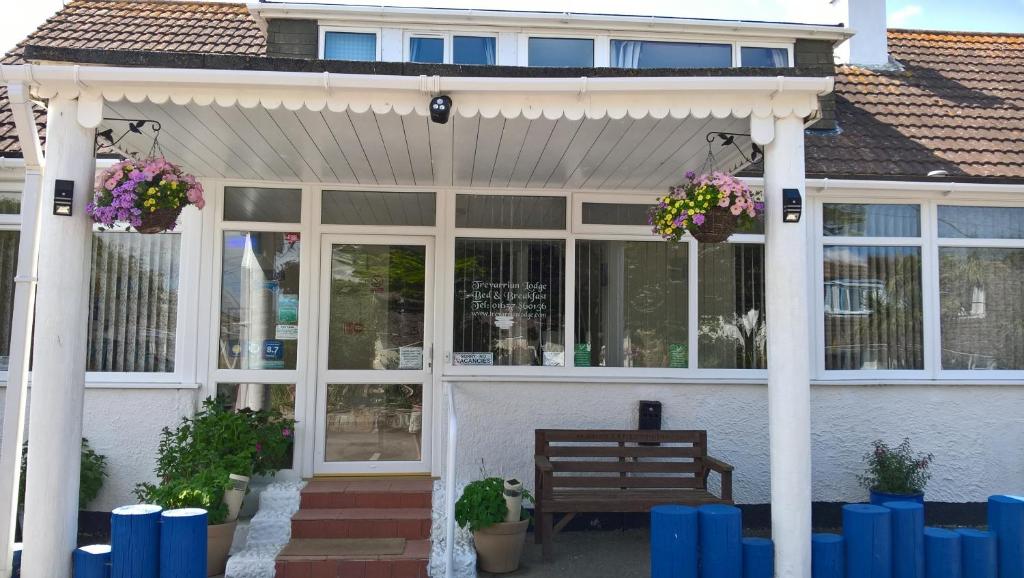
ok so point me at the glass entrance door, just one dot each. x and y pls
(374, 362)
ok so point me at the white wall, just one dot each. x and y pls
(975, 432)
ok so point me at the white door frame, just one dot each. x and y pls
(324, 376)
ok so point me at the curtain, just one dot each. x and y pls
(8, 269)
(780, 57)
(133, 298)
(489, 51)
(626, 53)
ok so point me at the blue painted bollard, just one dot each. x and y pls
(867, 530)
(942, 553)
(758, 558)
(92, 561)
(673, 542)
(827, 559)
(16, 561)
(183, 543)
(907, 539)
(978, 553)
(1006, 519)
(135, 541)
(721, 534)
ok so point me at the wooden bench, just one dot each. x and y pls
(620, 471)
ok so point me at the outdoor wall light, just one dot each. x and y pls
(792, 206)
(440, 108)
(63, 195)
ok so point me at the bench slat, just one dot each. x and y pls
(627, 482)
(624, 452)
(631, 467)
(634, 500)
(601, 435)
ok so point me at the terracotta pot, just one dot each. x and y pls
(218, 543)
(498, 547)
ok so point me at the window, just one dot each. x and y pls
(378, 208)
(8, 269)
(763, 57)
(732, 331)
(10, 202)
(262, 396)
(474, 50)
(615, 214)
(350, 46)
(566, 52)
(650, 54)
(428, 50)
(509, 212)
(261, 204)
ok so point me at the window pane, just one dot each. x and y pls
(350, 46)
(631, 304)
(730, 295)
(8, 269)
(615, 214)
(981, 308)
(378, 422)
(10, 203)
(263, 205)
(649, 54)
(473, 50)
(872, 220)
(981, 222)
(377, 208)
(377, 297)
(509, 303)
(573, 52)
(262, 396)
(426, 50)
(873, 313)
(758, 57)
(133, 302)
(259, 305)
(509, 212)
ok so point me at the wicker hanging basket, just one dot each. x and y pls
(719, 224)
(159, 221)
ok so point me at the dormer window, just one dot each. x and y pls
(564, 52)
(764, 57)
(350, 45)
(652, 54)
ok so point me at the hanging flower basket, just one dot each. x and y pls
(148, 195)
(709, 207)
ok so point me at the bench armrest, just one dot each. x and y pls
(717, 465)
(726, 472)
(543, 463)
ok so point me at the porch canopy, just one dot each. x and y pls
(368, 124)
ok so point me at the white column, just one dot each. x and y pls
(788, 307)
(58, 369)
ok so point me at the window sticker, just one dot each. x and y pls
(486, 358)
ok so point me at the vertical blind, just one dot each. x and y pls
(732, 331)
(133, 297)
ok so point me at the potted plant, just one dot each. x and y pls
(90, 481)
(146, 194)
(710, 207)
(896, 473)
(204, 458)
(484, 509)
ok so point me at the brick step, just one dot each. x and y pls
(408, 523)
(368, 493)
(319, 559)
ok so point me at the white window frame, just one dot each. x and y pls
(324, 30)
(739, 46)
(449, 42)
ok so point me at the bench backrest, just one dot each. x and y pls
(620, 459)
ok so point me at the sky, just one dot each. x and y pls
(973, 15)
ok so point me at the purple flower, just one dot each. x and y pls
(286, 432)
(698, 219)
(690, 175)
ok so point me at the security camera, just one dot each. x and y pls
(440, 109)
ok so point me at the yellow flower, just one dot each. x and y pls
(151, 191)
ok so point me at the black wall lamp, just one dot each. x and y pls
(440, 108)
(792, 205)
(63, 197)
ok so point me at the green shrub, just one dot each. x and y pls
(482, 504)
(90, 481)
(896, 470)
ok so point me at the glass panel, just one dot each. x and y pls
(259, 305)
(509, 212)
(473, 50)
(8, 269)
(377, 307)
(631, 306)
(873, 313)
(872, 220)
(262, 205)
(133, 302)
(981, 222)
(649, 54)
(350, 46)
(571, 52)
(256, 396)
(374, 423)
(759, 57)
(377, 208)
(981, 307)
(730, 295)
(615, 214)
(509, 303)
(426, 50)
(10, 203)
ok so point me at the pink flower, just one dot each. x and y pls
(259, 448)
(736, 210)
(723, 202)
(110, 184)
(286, 432)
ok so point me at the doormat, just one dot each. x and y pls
(345, 547)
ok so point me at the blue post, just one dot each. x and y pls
(673, 542)
(907, 539)
(978, 553)
(942, 553)
(92, 561)
(721, 533)
(1006, 519)
(16, 561)
(867, 530)
(758, 558)
(183, 543)
(827, 559)
(135, 541)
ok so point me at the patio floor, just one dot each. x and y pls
(612, 554)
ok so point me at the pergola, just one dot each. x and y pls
(374, 129)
